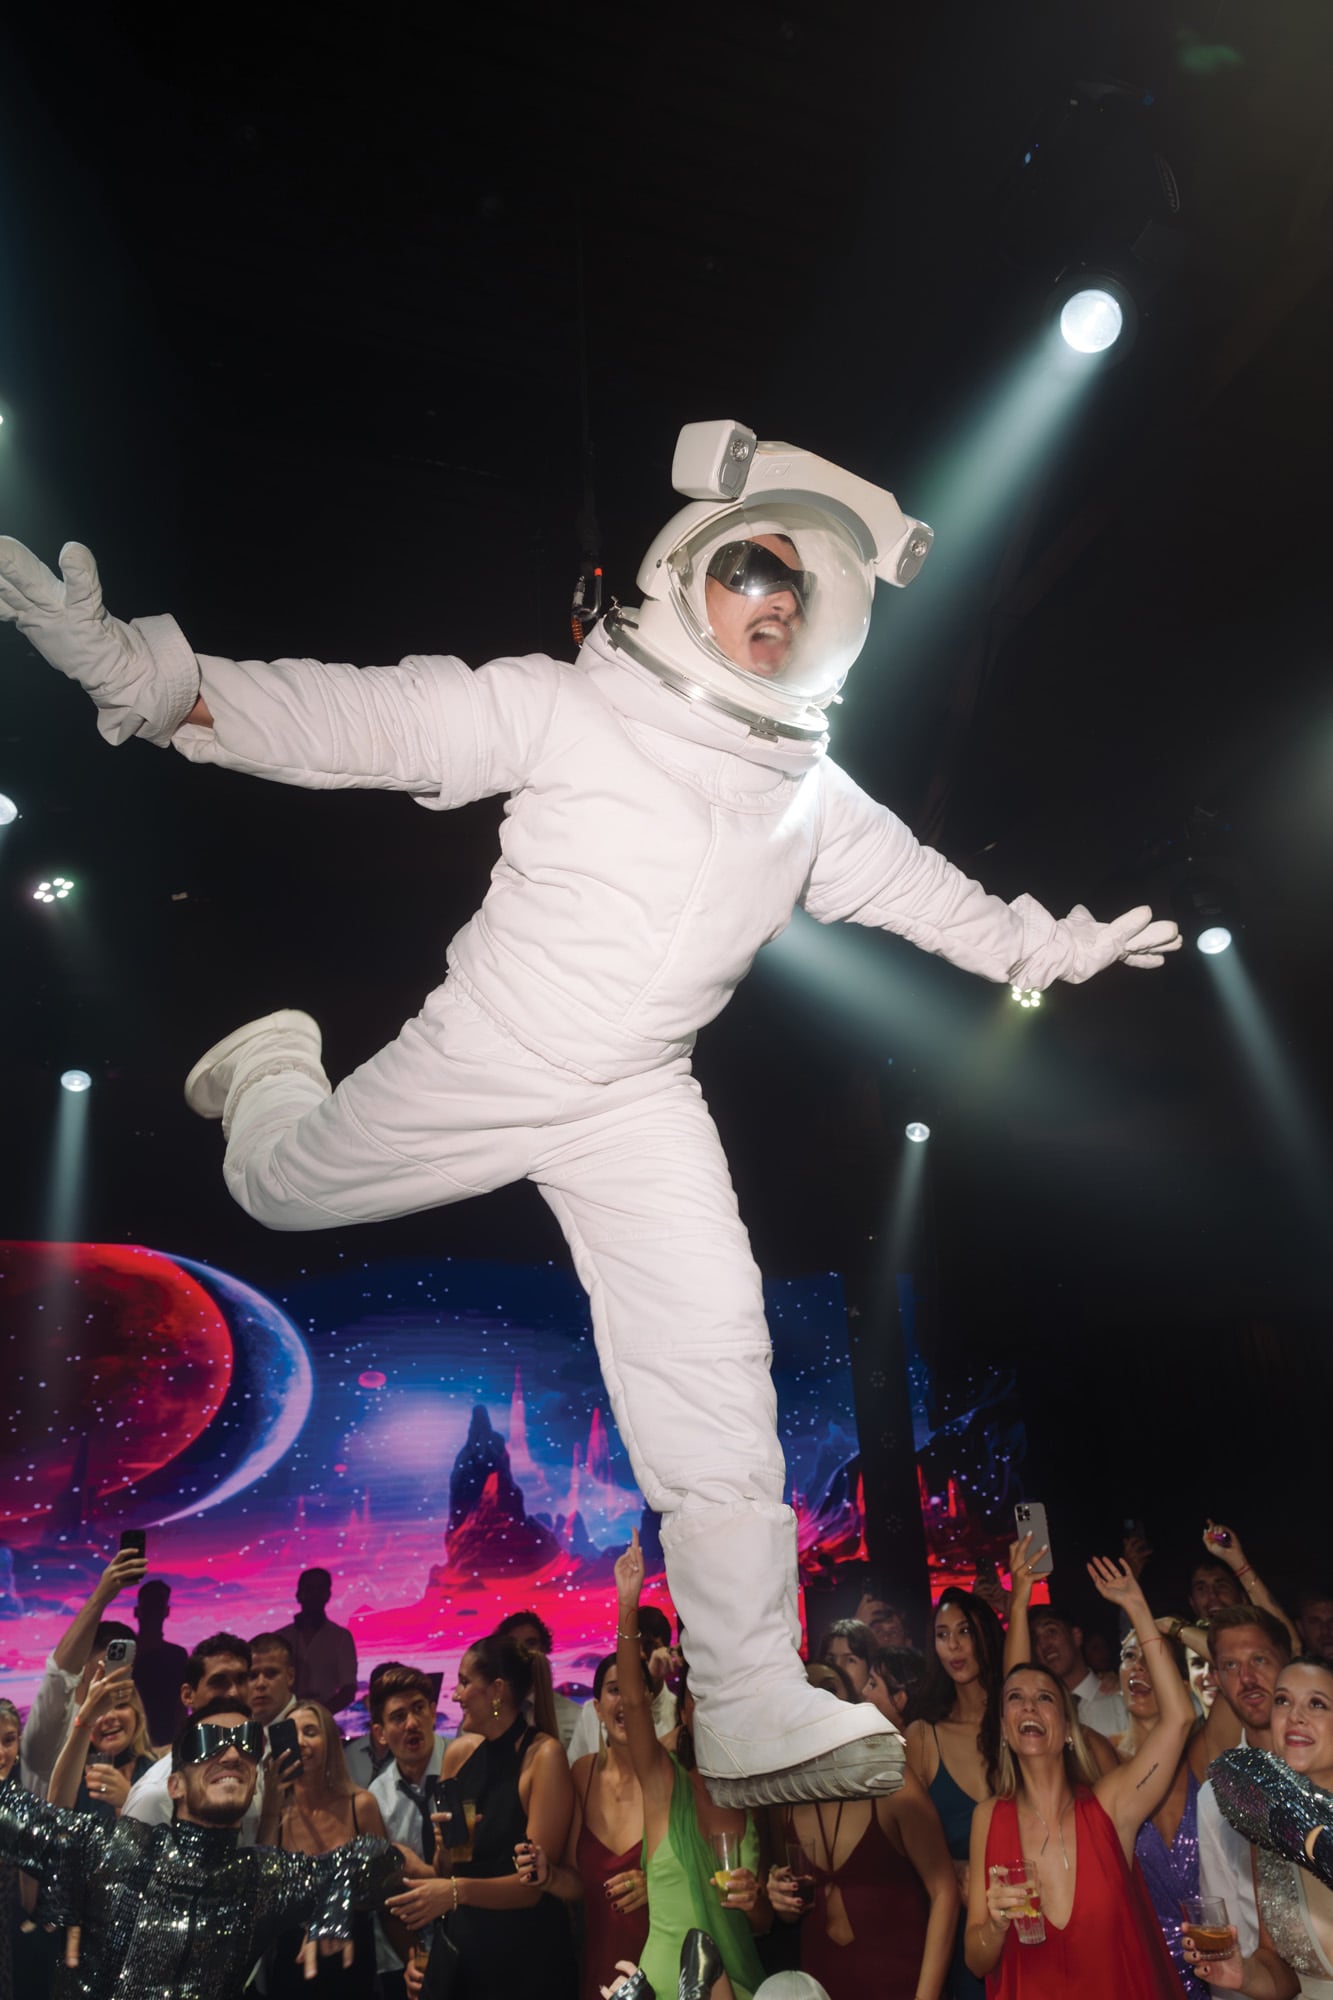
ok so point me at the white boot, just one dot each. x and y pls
(286, 1040)
(762, 1734)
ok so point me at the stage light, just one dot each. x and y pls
(917, 1132)
(9, 812)
(76, 1080)
(1216, 938)
(1026, 996)
(1091, 321)
(54, 891)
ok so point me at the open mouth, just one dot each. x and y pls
(1141, 1690)
(1032, 1729)
(770, 641)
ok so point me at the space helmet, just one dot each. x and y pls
(757, 596)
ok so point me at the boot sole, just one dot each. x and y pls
(870, 1768)
(204, 1092)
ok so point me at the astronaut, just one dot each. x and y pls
(669, 801)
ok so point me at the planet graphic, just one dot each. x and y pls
(144, 1388)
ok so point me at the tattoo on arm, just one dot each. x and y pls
(1144, 1779)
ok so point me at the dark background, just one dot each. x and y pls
(306, 324)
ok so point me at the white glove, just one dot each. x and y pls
(1077, 946)
(143, 677)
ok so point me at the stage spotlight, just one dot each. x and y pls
(76, 1080)
(54, 891)
(1026, 996)
(1091, 321)
(1215, 939)
(9, 812)
(917, 1132)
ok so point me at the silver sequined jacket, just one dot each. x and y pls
(179, 1912)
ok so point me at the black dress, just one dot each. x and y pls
(284, 1974)
(505, 1953)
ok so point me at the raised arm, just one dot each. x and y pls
(49, 1717)
(69, 1766)
(427, 726)
(1133, 1791)
(1018, 1639)
(652, 1764)
(1223, 1544)
(870, 869)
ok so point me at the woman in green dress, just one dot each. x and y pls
(686, 1888)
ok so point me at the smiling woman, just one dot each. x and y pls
(1056, 1844)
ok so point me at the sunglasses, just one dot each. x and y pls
(206, 1740)
(751, 570)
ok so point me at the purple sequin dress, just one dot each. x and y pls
(1171, 1873)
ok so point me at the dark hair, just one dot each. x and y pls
(394, 1679)
(218, 1646)
(508, 1626)
(109, 1629)
(221, 1704)
(899, 1666)
(1311, 1660)
(603, 1669)
(823, 1674)
(860, 1640)
(1053, 1613)
(1314, 1593)
(498, 1658)
(1234, 1618)
(654, 1625)
(272, 1642)
(316, 1571)
(684, 1752)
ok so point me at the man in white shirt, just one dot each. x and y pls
(324, 1653)
(402, 1721)
(1250, 1648)
(1058, 1645)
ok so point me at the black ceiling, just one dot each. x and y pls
(305, 318)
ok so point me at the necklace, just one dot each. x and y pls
(1059, 1828)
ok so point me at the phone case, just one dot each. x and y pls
(1030, 1519)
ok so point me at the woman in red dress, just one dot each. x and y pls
(1075, 1830)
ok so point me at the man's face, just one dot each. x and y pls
(271, 1683)
(1248, 1665)
(225, 1678)
(529, 1636)
(9, 1745)
(1056, 1645)
(1316, 1627)
(1212, 1589)
(886, 1624)
(217, 1792)
(406, 1728)
(756, 633)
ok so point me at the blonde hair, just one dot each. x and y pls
(337, 1781)
(1081, 1767)
(139, 1746)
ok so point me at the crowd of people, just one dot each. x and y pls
(1056, 1824)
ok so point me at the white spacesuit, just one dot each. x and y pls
(668, 804)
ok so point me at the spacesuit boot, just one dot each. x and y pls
(284, 1043)
(765, 1737)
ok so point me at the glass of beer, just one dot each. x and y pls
(727, 1854)
(1207, 1927)
(1027, 1918)
(802, 1873)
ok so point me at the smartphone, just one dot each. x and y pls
(1030, 1519)
(283, 1740)
(133, 1541)
(119, 1653)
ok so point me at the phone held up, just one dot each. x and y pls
(119, 1653)
(1030, 1519)
(283, 1741)
(134, 1541)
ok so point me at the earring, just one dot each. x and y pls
(495, 1711)
(1069, 1743)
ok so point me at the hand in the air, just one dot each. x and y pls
(629, 1572)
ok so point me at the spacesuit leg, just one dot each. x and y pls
(445, 1111)
(644, 1197)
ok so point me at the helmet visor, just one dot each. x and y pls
(777, 592)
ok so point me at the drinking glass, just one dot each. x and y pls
(1027, 1919)
(727, 1853)
(1206, 1926)
(802, 1873)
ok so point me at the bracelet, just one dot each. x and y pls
(454, 1880)
(79, 1723)
(628, 1635)
(1174, 1627)
(1157, 1639)
(1246, 1569)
